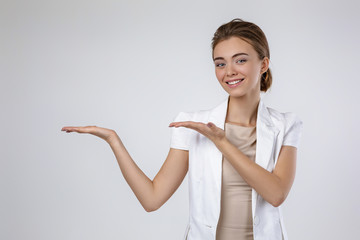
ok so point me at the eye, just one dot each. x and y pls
(219, 64)
(241, 61)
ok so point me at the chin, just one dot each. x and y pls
(237, 95)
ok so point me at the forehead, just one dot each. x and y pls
(228, 47)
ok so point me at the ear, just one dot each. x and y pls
(264, 65)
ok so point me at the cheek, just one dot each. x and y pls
(250, 72)
(219, 74)
(245, 70)
(255, 70)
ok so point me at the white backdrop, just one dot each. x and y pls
(132, 66)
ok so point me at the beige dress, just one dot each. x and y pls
(235, 221)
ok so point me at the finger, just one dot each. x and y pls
(178, 124)
(70, 129)
(197, 126)
(86, 129)
(173, 124)
(187, 124)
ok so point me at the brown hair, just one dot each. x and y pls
(250, 33)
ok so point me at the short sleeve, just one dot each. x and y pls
(180, 136)
(293, 130)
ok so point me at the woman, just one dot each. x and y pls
(241, 155)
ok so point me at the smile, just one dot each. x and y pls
(235, 83)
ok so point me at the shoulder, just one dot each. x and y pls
(287, 120)
(290, 126)
(282, 116)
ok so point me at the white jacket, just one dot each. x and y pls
(273, 129)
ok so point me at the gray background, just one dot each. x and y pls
(132, 66)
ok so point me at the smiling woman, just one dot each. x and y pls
(250, 168)
(240, 155)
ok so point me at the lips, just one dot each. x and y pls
(240, 79)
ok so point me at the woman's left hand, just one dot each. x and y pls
(209, 130)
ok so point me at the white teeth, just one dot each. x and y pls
(234, 82)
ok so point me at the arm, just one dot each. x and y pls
(272, 186)
(152, 194)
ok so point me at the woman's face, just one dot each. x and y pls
(236, 60)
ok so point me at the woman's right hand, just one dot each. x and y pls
(104, 133)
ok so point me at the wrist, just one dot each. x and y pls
(112, 138)
(222, 142)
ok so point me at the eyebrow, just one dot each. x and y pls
(235, 55)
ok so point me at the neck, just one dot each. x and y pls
(243, 110)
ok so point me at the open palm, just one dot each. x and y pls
(209, 130)
(100, 132)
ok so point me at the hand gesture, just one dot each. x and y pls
(209, 130)
(104, 133)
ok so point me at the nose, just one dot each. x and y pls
(230, 71)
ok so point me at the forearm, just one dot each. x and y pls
(265, 183)
(140, 184)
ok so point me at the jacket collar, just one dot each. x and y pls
(266, 132)
(218, 114)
